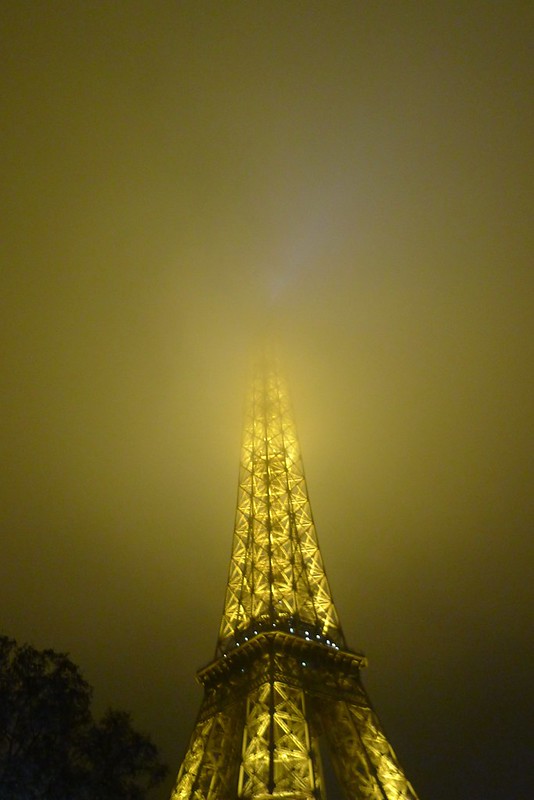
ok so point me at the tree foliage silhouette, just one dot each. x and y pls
(52, 748)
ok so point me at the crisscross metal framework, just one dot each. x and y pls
(276, 576)
(283, 685)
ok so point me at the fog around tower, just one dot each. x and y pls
(180, 178)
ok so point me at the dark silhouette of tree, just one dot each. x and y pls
(123, 762)
(51, 748)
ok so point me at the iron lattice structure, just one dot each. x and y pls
(283, 684)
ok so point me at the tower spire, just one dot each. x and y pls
(277, 577)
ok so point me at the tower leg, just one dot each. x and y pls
(363, 759)
(210, 768)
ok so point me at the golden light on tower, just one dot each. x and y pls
(283, 684)
(276, 574)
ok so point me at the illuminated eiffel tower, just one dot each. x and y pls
(283, 686)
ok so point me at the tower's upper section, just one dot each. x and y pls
(277, 578)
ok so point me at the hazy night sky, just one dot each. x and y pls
(176, 176)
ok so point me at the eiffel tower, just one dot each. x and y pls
(283, 686)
